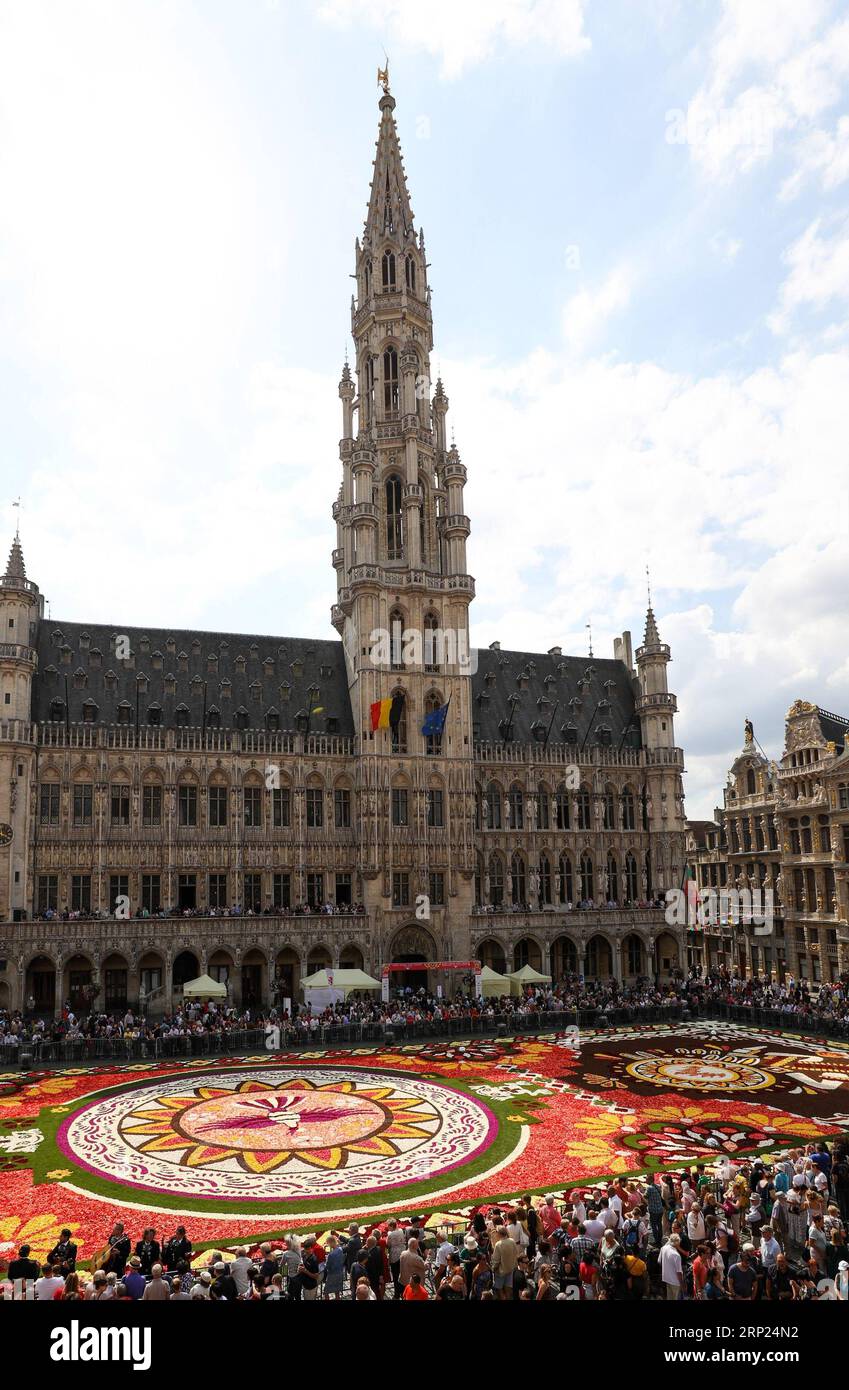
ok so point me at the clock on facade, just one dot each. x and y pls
(6, 834)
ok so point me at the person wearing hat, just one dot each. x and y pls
(134, 1280)
(64, 1254)
(223, 1285)
(841, 1281)
(201, 1288)
(148, 1251)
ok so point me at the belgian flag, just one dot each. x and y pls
(386, 714)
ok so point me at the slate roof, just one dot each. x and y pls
(274, 674)
(569, 688)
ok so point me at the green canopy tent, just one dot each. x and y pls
(528, 976)
(204, 987)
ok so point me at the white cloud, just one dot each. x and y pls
(775, 70)
(586, 314)
(819, 272)
(727, 248)
(822, 156)
(464, 34)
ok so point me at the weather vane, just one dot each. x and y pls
(383, 75)
(18, 521)
(648, 583)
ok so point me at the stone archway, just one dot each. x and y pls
(40, 984)
(599, 958)
(253, 978)
(114, 981)
(78, 975)
(527, 952)
(186, 967)
(413, 945)
(491, 953)
(667, 959)
(351, 958)
(564, 958)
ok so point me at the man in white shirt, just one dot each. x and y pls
(239, 1270)
(671, 1269)
(396, 1244)
(594, 1227)
(696, 1224)
(770, 1249)
(47, 1285)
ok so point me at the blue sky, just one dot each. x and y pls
(637, 218)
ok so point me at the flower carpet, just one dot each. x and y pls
(254, 1146)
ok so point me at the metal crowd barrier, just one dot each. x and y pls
(241, 1042)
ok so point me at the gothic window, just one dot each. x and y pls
(750, 782)
(608, 808)
(370, 375)
(218, 817)
(433, 742)
(567, 887)
(584, 814)
(187, 804)
(400, 807)
(388, 271)
(120, 804)
(253, 806)
(410, 268)
(151, 804)
(516, 802)
(628, 822)
(517, 881)
(431, 652)
(394, 518)
(612, 879)
(544, 881)
(397, 626)
(399, 733)
(49, 803)
(561, 807)
(436, 808)
(543, 809)
(315, 807)
(635, 955)
(391, 392)
(492, 819)
(587, 883)
(496, 881)
(367, 277)
(630, 878)
(83, 796)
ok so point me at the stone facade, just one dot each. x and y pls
(145, 771)
(784, 825)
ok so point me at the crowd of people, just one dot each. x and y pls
(596, 1002)
(327, 909)
(768, 1229)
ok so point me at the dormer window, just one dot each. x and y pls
(57, 711)
(285, 692)
(240, 664)
(154, 716)
(272, 721)
(125, 712)
(181, 716)
(241, 718)
(80, 679)
(95, 658)
(213, 718)
(89, 712)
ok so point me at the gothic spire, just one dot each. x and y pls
(652, 637)
(16, 569)
(389, 210)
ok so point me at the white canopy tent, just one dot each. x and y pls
(528, 976)
(204, 987)
(331, 986)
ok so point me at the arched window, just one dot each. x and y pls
(587, 879)
(518, 895)
(561, 808)
(567, 885)
(544, 881)
(394, 518)
(751, 788)
(543, 809)
(410, 267)
(612, 879)
(635, 955)
(492, 818)
(399, 733)
(628, 821)
(388, 270)
(431, 644)
(391, 391)
(496, 881)
(608, 809)
(397, 624)
(370, 377)
(433, 742)
(517, 808)
(367, 276)
(584, 815)
(630, 878)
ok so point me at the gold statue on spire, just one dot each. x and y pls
(383, 77)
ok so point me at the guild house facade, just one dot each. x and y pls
(255, 808)
(784, 827)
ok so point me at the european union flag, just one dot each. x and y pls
(434, 724)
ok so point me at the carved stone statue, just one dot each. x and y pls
(750, 733)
